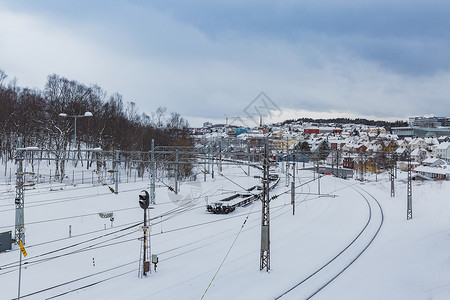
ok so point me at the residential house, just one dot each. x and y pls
(366, 164)
(419, 155)
(439, 172)
(348, 161)
(418, 143)
(433, 162)
(443, 151)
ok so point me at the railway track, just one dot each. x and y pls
(315, 282)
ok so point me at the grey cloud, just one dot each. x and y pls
(409, 37)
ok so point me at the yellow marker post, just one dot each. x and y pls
(22, 248)
(24, 252)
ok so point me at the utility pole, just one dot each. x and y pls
(212, 165)
(392, 176)
(332, 162)
(293, 185)
(287, 170)
(395, 164)
(287, 162)
(409, 192)
(337, 163)
(209, 159)
(116, 173)
(318, 177)
(152, 174)
(19, 234)
(220, 155)
(248, 151)
(176, 172)
(362, 166)
(265, 217)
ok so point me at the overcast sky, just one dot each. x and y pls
(204, 59)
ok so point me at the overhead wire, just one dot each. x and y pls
(81, 278)
(228, 252)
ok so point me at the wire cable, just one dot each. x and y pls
(229, 250)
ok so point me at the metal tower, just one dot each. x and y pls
(265, 218)
(19, 233)
(409, 192)
(391, 176)
(152, 174)
(293, 185)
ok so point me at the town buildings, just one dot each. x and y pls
(359, 147)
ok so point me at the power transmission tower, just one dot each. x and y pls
(337, 163)
(152, 174)
(362, 166)
(392, 163)
(116, 172)
(176, 171)
(409, 192)
(220, 156)
(293, 185)
(391, 175)
(248, 151)
(19, 234)
(265, 218)
(318, 177)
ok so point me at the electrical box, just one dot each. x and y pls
(264, 237)
(154, 258)
(146, 267)
(5, 241)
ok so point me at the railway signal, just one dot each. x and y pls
(144, 201)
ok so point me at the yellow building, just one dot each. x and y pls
(376, 130)
(281, 142)
(367, 165)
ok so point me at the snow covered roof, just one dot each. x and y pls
(432, 160)
(431, 141)
(443, 146)
(442, 171)
(420, 176)
(417, 152)
(400, 150)
(417, 141)
(373, 147)
(245, 136)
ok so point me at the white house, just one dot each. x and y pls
(419, 155)
(443, 151)
(441, 172)
(433, 162)
(418, 143)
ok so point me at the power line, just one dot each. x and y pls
(229, 250)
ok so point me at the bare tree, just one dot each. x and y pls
(34, 115)
(2, 77)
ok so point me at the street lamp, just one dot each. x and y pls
(86, 114)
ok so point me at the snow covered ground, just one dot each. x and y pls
(217, 256)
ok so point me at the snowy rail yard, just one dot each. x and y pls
(339, 245)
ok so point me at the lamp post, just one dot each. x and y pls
(86, 114)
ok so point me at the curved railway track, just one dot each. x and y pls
(315, 282)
